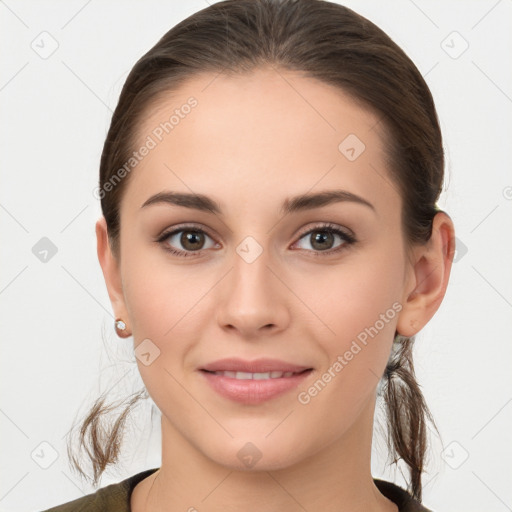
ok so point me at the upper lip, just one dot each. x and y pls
(255, 366)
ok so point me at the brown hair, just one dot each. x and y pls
(322, 40)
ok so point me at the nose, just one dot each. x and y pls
(253, 300)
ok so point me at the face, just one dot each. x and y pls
(317, 284)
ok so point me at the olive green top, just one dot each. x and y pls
(116, 497)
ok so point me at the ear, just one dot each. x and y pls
(427, 277)
(111, 271)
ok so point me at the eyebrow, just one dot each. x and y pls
(292, 204)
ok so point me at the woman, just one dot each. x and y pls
(271, 240)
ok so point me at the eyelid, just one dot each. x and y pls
(166, 233)
(321, 225)
(347, 235)
(328, 226)
(183, 227)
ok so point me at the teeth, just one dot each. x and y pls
(243, 375)
(254, 376)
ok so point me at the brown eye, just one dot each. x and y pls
(322, 239)
(185, 241)
(192, 240)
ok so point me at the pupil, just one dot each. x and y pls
(190, 238)
(319, 237)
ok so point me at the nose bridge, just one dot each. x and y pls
(251, 275)
(252, 298)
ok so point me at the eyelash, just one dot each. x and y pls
(325, 228)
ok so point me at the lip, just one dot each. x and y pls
(253, 391)
(256, 366)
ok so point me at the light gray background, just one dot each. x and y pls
(55, 113)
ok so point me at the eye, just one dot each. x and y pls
(322, 237)
(191, 238)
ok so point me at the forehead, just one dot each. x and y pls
(265, 134)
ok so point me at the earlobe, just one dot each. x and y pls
(111, 270)
(430, 277)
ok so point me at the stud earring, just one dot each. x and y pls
(121, 330)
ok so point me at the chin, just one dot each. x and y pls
(256, 453)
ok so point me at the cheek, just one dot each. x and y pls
(149, 303)
(158, 293)
(353, 295)
(359, 311)
(166, 303)
(359, 308)
(160, 300)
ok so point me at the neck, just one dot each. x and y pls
(335, 479)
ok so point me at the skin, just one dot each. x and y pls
(252, 141)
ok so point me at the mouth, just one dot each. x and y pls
(253, 388)
(256, 375)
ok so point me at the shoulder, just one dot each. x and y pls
(399, 496)
(113, 497)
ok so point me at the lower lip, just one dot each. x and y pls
(253, 391)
